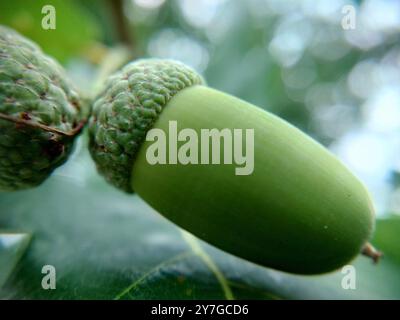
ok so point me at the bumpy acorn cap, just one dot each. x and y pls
(40, 113)
(127, 108)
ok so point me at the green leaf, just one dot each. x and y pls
(12, 247)
(388, 237)
(75, 29)
(105, 244)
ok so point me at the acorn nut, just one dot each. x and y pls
(298, 209)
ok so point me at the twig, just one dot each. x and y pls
(369, 251)
(123, 29)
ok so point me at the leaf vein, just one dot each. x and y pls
(158, 267)
(195, 246)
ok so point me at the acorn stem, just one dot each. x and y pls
(371, 252)
(70, 133)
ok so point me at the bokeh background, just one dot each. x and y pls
(292, 58)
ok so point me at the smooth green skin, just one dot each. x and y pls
(301, 210)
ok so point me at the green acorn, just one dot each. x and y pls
(298, 209)
(40, 113)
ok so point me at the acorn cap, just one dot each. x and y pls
(127, 109)
(40, 113)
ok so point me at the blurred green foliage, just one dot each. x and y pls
(75, 30)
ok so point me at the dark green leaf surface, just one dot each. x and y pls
(105, 244)
(12, 247)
